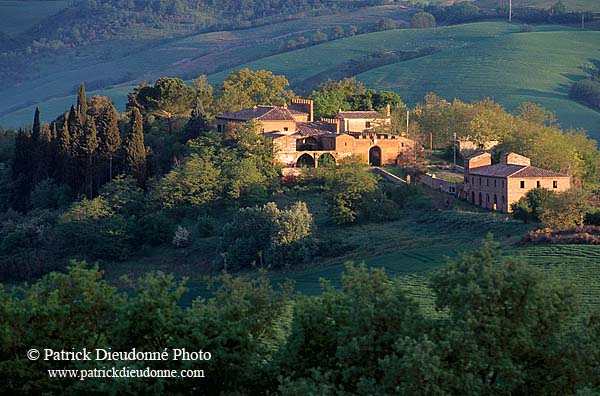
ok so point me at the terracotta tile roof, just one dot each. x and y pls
(509, 170)
(292, 111)
(358, 114)
(261, 113)
(315, 128)
(532, 171)
(497, 170)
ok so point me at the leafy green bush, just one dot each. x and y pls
(267, 235)
(48, 195)
(153, 229)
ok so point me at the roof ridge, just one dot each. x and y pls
(518, 170)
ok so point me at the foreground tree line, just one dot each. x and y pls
(499, 327)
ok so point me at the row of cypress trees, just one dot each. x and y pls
(82, 149)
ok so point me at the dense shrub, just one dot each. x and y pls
(48, 195)
(565, 210)
(586, 91)
(531, 206)
(266, 235)
(153, 229)
(422, 20)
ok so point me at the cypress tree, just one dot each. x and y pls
(64, 153)
(36, 125)
(43, 153)
(135, 150)
(198, 124)
(54, 131)
(22, 171)
(109, 135)
(81, 103)
(89, 146)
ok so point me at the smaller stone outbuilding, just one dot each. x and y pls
(498, 186)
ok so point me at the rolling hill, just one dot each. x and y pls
(471, 62)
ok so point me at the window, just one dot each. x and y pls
(285, 129)
(538, 184)
(345, 143)
(502, 183)
(488, 182)
(480, 181)
(487, 197)
(502, 200)
(402, 144)
(522, 184)
(368, 124)
(495, 182)
(219, 128)
(473, 179)
(452, 189)
(554, 184)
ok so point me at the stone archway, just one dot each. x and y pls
(375, 156)
(305, 161)
(326, 160)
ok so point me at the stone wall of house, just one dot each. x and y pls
(516, 192)
(487, 192)
(454, 188)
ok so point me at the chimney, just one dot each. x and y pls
(388, 112)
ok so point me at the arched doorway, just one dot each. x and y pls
(480, 200)
(326, 160)
(305, 161)
(472, 197)
(375, 156)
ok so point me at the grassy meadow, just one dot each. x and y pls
(18, 16)
(422, 240)
(472, 62)
(113, 68)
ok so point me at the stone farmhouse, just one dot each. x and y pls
(497, 186)
(301, 141)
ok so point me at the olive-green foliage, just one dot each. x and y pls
(195, 182)
(422, 20)
(48, 195)
(27, 248)
(123, 195)
(75, 309)
(566, 209)
(347, 189)
(344, 333)
(505, 322)
(502, 328)
(268, 236)
(242, 326)
(246, 88)
(531, 206)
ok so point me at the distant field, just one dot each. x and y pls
(127, 63)
(571, 5)
(471, 62)
(534, 67)
(474, 61)
(17, 16)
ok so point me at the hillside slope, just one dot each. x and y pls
(471, 62)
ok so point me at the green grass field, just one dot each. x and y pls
(125, 64)
(18, 16)
(570, 5)
(474, 61)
